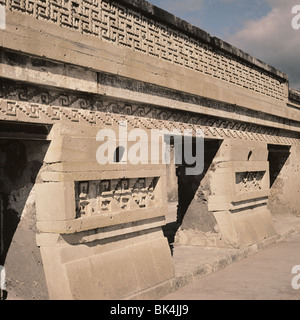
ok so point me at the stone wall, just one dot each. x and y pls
(285, 189)
(99, 63)
(100, 51)
(145, 32)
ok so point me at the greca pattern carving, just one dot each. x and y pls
(120, 25)
(36, 105)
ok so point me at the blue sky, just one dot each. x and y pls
(259, 27)
(218, 17)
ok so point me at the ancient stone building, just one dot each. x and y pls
(72, 228)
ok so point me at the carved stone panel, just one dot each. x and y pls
(249, 181)
(116, 195)
(118, 24)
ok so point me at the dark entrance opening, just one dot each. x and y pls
(277, 158)
(22, 150)
(182, 189)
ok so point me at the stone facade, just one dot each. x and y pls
(99, 228)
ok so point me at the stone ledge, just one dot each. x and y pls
(235, 202)
(85, 237)
(294, 96)
(99, 221)
(114, 172)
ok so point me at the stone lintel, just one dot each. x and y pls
(99, 221)
(91, 235)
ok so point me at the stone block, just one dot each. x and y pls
(116, 269)
(222, 183)
(246, 227)
(83, 283)
(241, 150)
(55, 201)
(120, 271)
(253, 225)
(144, 266)
(163, 263)
(99, 277)
(55, 273)
(227, 227)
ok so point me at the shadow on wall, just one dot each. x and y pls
(13, 163)
(281, 168)
(189, 187)
(278, 155)
(17, 178)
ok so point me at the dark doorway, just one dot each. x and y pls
(13, 164)
(277, 158)
(189, 185)
(22, 150)
(187, 188)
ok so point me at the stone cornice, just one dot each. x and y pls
(191, 30)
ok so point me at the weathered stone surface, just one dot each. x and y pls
(99, 226)
(284, 193)
(97, 275)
